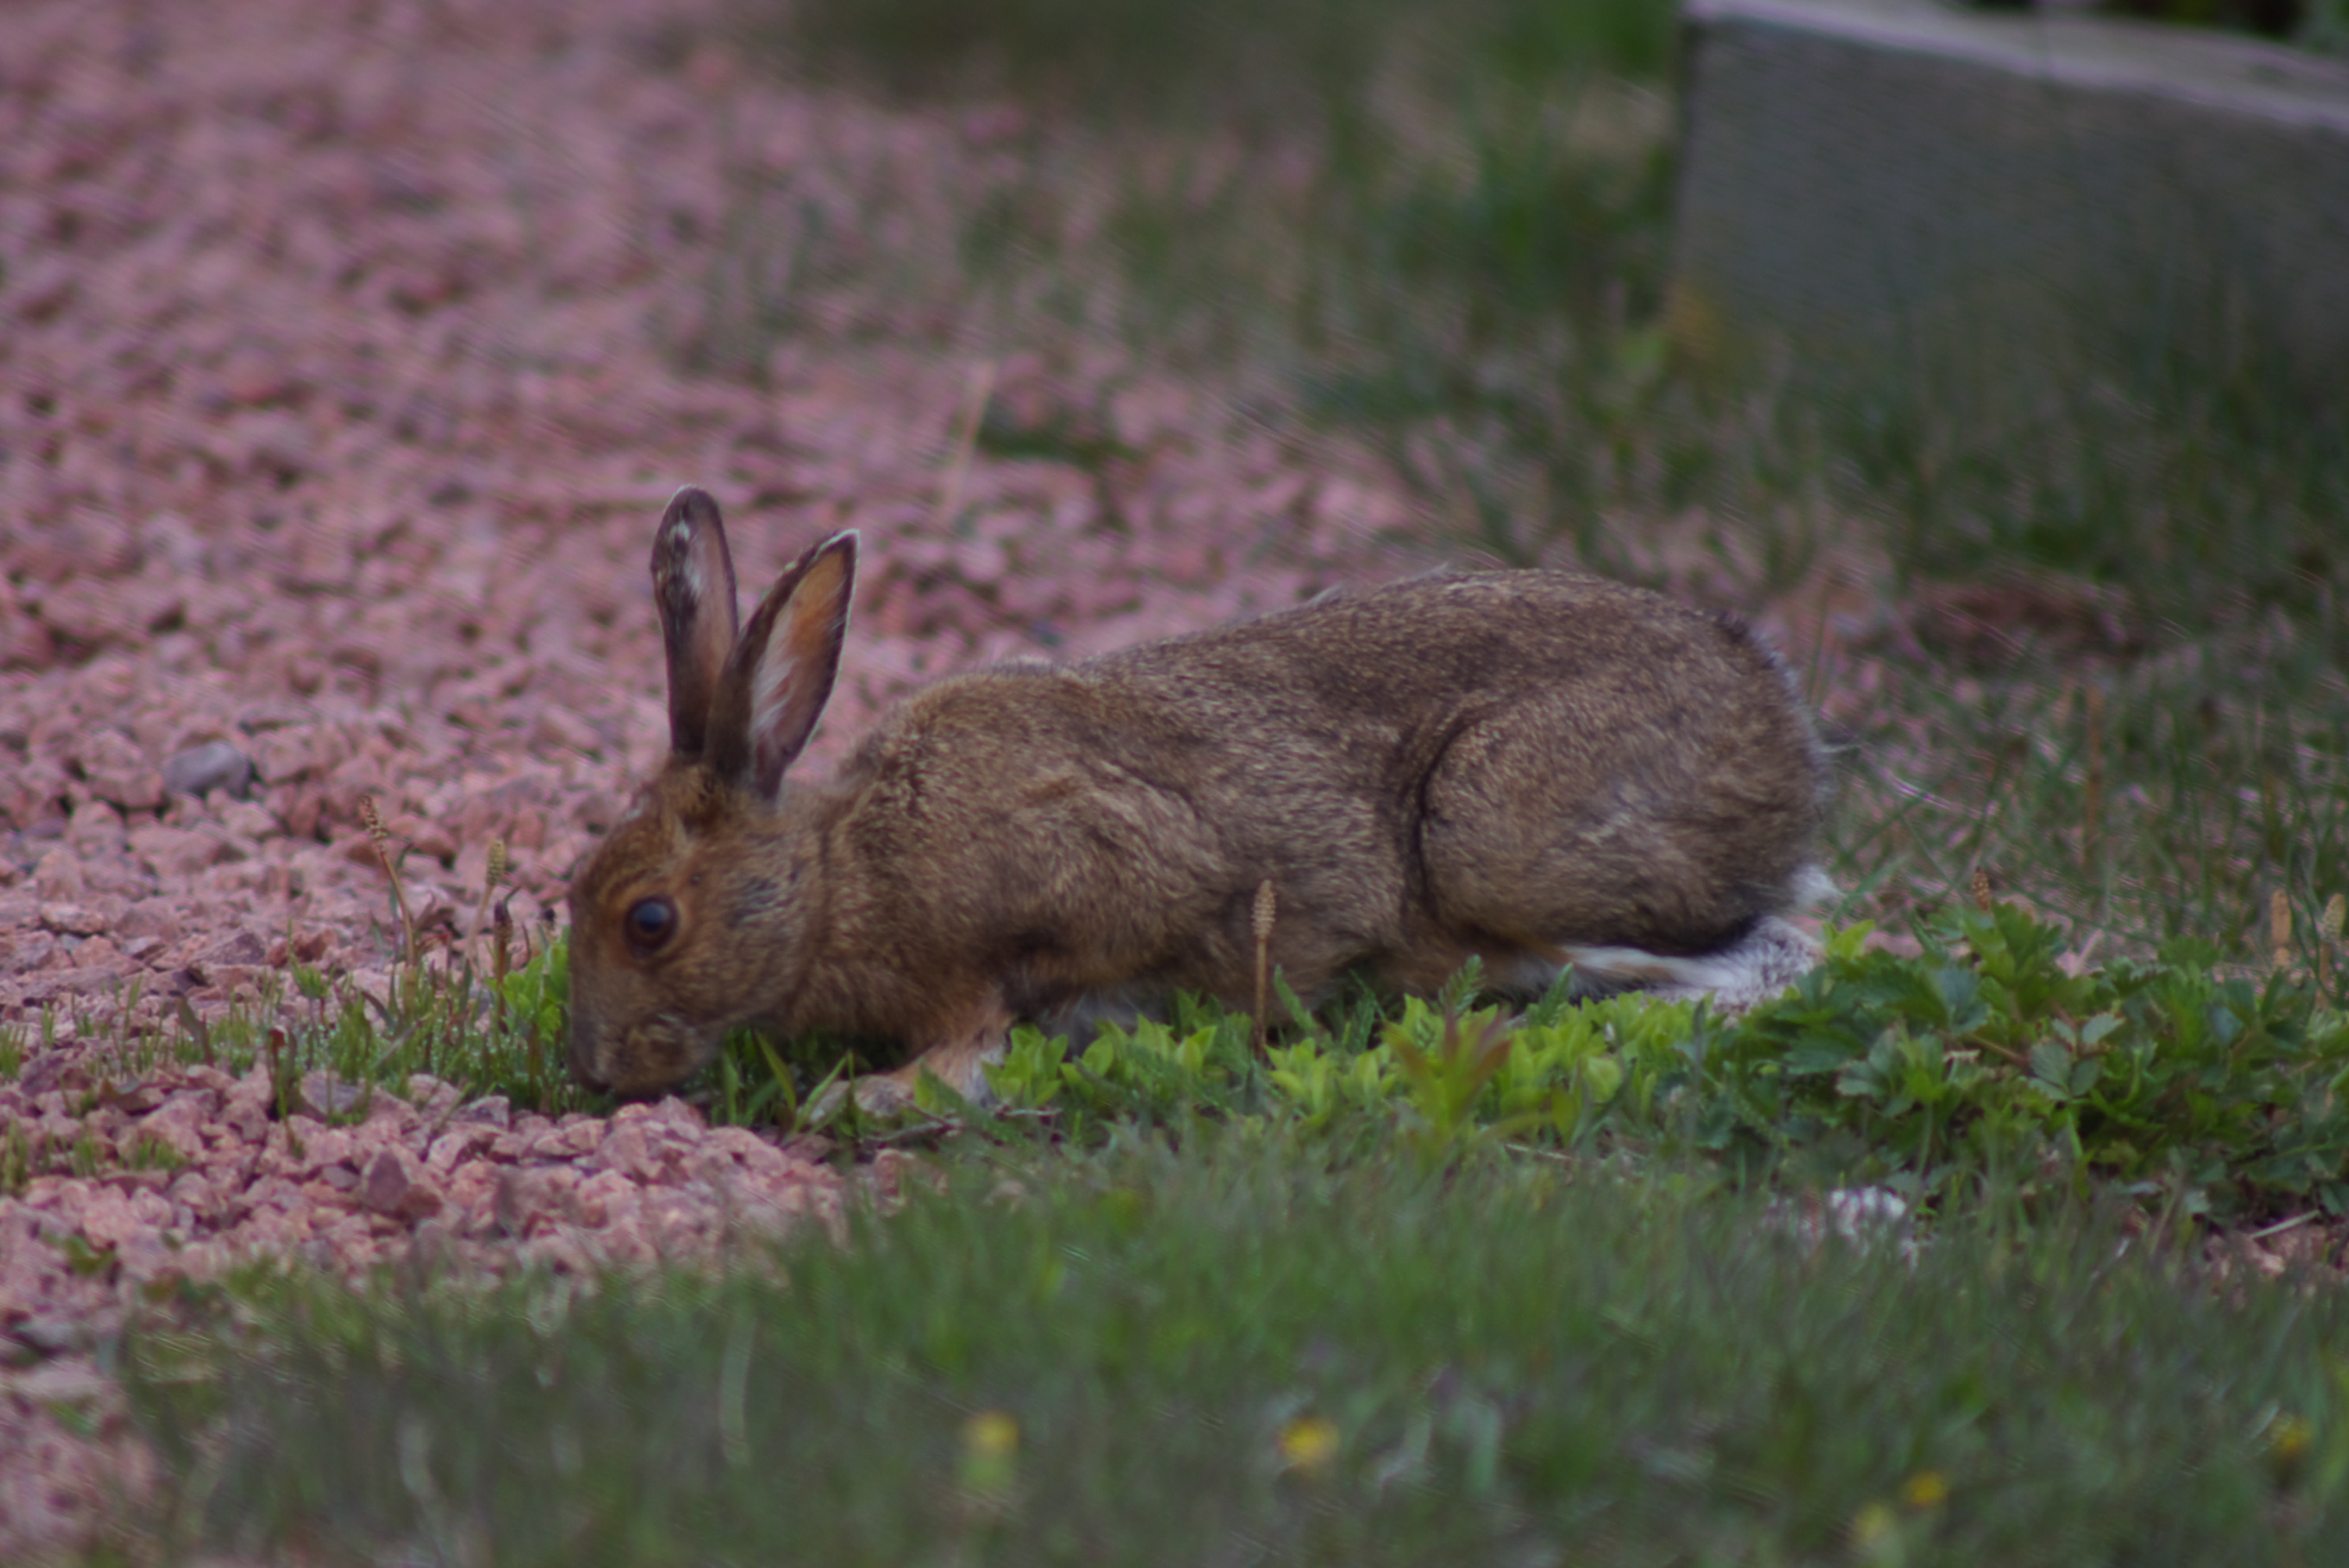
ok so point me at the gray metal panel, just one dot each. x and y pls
(1893, 186)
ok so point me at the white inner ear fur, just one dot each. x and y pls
(770, 688)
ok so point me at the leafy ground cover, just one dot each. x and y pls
(1983, 1067)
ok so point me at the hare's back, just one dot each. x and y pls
(1427, 650)
(1563, 758)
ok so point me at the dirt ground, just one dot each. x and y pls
(340, 387)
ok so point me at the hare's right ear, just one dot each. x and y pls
(781, 672)
(693, 585)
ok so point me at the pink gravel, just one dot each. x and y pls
(201, 1175)
(339, 395)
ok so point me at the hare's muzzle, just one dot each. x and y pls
(585, 1067)
(649, 1058)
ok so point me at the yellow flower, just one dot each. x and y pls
(991, 1453)
(1926, 1489)
(2288, 1438)
(991, 1435)
(1308, 1443)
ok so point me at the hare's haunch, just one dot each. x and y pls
(1533, 768)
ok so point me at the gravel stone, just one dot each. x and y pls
(201, 769)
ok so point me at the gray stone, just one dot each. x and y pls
(490, 1110)
(52, 1335)
(73, 918)
(215, 765)
(2004, 198)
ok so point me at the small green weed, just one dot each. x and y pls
(18, 1159)
(756, 1084)
(1447, 1077)
(487, 1014)
(152, 1154)
(1153, 1071)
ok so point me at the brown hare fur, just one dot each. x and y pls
(1533, 768)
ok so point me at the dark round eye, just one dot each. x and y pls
(650, 920)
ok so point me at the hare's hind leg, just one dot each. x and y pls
(1770, 954)
(1768, 958)
(1532, 833)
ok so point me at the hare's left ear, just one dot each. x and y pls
(693, 589)
(779, 674)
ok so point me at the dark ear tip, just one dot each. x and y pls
(692, 501)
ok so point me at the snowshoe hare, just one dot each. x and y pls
(1533, 767)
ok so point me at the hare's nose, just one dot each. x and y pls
(585, 1076)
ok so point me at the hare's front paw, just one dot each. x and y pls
(882, 1097)
(959, 1066)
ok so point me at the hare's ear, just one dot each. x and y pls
(693, 585)
(781, 672)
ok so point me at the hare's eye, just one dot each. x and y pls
(650, 921)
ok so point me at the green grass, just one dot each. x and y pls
(1239, 1353)
(1264, 66)
(2208, 780)
(1419, 1284)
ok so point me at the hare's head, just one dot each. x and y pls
(690, 916)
